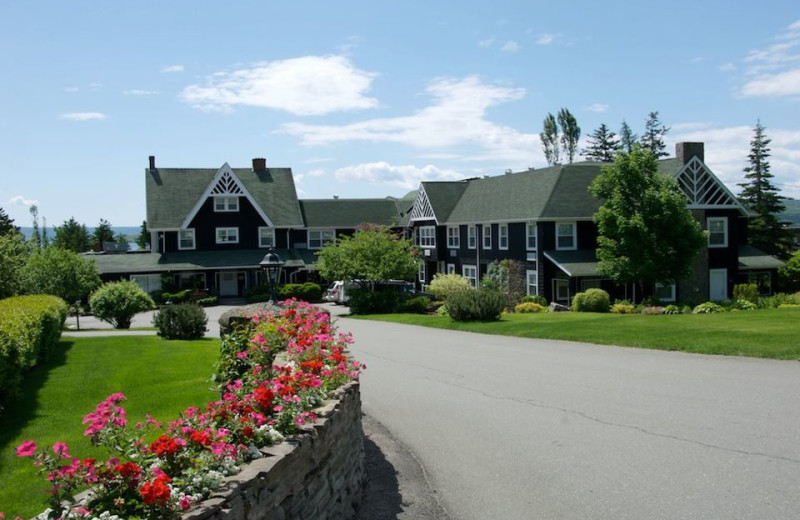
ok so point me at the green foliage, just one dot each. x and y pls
(746, 291)
(653, 137)
(7, 223)
(529, 307)
(417, 305)
(381, 300)
(182, 296)
(208, 301)
(102, 233)
(184, 321)
(72, 236)
(61, 273)
(371, 254)
(744, 305)
(593, 300)
(36, 235)
(534, 298)
(626, 138)
(602, 145)
(672, 309)
(549, 138)
(508, 278)
(308, 291)
(168, 283)
(443, 285)
(789, 306)
(646, 234)
(479, 305)
(776, 300)
(231, 367)
(652, 310)
(14, 254)
(707, 308)
(118, 302)
(143, 239)
(30, 327)
(623, 308)
(570, 133)
(789, 274)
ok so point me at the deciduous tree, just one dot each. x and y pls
(14, 253)
(549, 138)
(73, 236)
(102, 233)
(59, 272)
(570, 133)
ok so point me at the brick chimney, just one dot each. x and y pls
(685, 151)
(259, 164)
(152, 162)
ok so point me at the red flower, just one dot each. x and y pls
(264, 396)
(164, 445)
(156, 492)
(200, 438)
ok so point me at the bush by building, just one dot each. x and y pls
(118, 302)
(183, 321)
(746, 291)
(443, 285)
(593, 300)
(418, 305)
(534, 298)
(707, 308)
(309, 292)
(526, 307)
(479, 305)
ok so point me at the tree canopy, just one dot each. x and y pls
(646, 234)
(143, 240)
(549, 138)
(370, 255)
(6, 223)
(626, 137)
(653, 136)
(602, 145)
(14, 253)
(570, 133)
(59, 272)
(102, 233)
(72, 236)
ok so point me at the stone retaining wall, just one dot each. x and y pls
(315, 475)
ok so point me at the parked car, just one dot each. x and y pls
(338, 292)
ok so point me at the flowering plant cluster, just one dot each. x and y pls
(190, 455)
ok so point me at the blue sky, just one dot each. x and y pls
(365, 99)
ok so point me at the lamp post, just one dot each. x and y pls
(272, 264)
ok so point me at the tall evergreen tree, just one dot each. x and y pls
(102, 233)
(45, 236)
(627, 138)
(36, 235)
(549, 138)
(764, 230)
(6, 223)
(603, 144)
(653, 137)
(72, 236)
(143, 240)
(570, 133)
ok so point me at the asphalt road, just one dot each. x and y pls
(507, 428)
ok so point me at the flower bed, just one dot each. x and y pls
(160, 471)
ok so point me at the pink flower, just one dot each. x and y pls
(61, 449)
(185, 503)
(242, 354)
(26, 449)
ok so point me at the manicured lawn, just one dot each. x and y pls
(159, 377)
(772, 333)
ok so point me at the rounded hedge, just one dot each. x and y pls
(118, 302)
(593, 300)
(183, 321)
(475, 305)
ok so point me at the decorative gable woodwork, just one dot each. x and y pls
(227, 185)
(703, 189)
(422, 209)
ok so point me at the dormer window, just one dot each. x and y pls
(226, 204)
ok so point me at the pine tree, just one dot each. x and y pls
(36, 235)
(143, 240)
(627, 138)
(45, 236)
(6, 223)
(570, 133)
(764, 230)
(549, 138)
(72, 236)
(102, 233)
(653, 137)
(602, 145)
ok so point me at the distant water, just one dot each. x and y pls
(130, 231)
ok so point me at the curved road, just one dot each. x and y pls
(509, 428)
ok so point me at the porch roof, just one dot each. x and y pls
(753, 258)
(195, 260)
(580, 262)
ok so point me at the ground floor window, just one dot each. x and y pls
(533, 282)
(148, 282)
(422, 270)
(665, 292)
(561, 290)
(451, 268)
(762, 279)
(470, 272)
(590, 283)
(190, 280)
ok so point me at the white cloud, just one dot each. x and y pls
(597, 108)
(455, 118)
(727, 67)
(173, 68)
(83, 116)
(311, 85)
(405, 176)
(486, 43)
(317, 160)
(71, 89)
(775, 70)
(774, 85)
(726, 150)
(697, 60)
(139, 92)
(546, 39)
(685, 127)
(510, 46)
(19, 200)
(319, 172)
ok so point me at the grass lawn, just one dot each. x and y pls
(159, 377)
(769, 333)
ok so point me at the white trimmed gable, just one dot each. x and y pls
(225, 182)
(422, 209)
(703, 189)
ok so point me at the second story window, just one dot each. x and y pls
(531, 234)
(227, 235)
(317, 238)
(502, 239)
(565, 235)
(226, 204)
(487, 236)
(186, 239)
(427, 236)
(717, 231)
(453, 239)
(472, 237)
(266, 237)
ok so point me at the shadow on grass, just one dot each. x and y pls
(20, 411)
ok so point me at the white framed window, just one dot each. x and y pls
(717, 231)
(566, 236)
(266, 237)
(502, 236)
(148, 282)
(421, 272)
(186, 239)
(191, 280)
(487, 236)
(451, 268)
(665, 292)
(472, 237)
(561, 289)
(226, 204)
(317, 238)
(530, 234)
(453, 238)
(227, 235)
(427, 236)
(532, 278)
(470, 272)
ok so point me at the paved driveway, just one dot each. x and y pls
(509, 428)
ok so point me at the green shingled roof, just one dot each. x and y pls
(443, 197)
(753, 258)
(173, 192)
(581, 262)
(349, 213)
(195, 260)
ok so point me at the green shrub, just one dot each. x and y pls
(652, 310)
(30, 327)
(383, 300)
(623, 308)
(475, 305)
(208, 301)
(744, 305)
(177, 297)
(308, 291)
(418, 305)
(526, 307)
(442, 311)
(672, 309)
(230, 367)
(789, 306)
(776, 300)
(746, 291)
(443, 285)
(707, 308)
(593, 300)
(59, 272)
(258, 297)
(183, 321)
(534, 298)
(118, 302)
